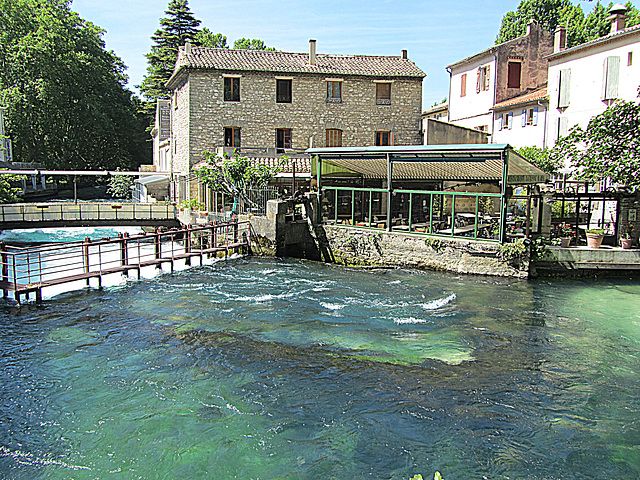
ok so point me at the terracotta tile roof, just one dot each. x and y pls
(303, 163)
(283, 62)
(442, 107)
(534, 96)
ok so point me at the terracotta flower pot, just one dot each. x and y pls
(626, 243)
(594, 240)
(564, 242)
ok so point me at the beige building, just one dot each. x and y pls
(273, 103)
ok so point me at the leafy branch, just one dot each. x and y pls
(234, 175)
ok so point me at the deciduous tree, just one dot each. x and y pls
(234, 175)
(206, 38)
(251, 44)
(551, 13)
(67, 102)
(609, 148)
(541, 158)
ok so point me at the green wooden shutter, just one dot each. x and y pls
(611, 75)
(563, 87)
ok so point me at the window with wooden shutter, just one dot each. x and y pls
(483, 79)
(513, 74)
(563, 127)
(383, 93)
(500, 121)
(334, 137)
(231, 137)
(463, 85)
(283, 139)
(382, 139)
(564, 83)
(524, 117)
(535, 116)
(334, 92)
(611, 75)
(283, 91)
(231, 89)
(510, 121)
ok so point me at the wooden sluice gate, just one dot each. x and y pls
(26, 270)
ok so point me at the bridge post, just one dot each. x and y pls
(85, 256)
(158, 245)
(235, 230)
(4, 258)
(187, 243)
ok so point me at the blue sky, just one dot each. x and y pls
(434, 33)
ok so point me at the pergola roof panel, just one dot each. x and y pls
(434, 162)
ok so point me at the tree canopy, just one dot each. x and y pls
(541, 158)
(67, 102)
(551, 13)
(251, 44)
(609, 148)
(207, 38)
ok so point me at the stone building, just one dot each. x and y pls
(277, 103)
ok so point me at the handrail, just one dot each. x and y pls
(33, 267)
(85, 211)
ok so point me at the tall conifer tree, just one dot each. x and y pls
(178, 26)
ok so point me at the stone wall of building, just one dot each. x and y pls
(308, 115)
(180, 121)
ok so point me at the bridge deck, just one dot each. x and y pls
(87, 214)
(28, 270)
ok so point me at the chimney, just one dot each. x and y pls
(312, 52)
(404, 54)
(187, 46)
(618, 18)
(560, 39)
(530, 25)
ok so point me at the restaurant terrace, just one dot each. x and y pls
(483, 192)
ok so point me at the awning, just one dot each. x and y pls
(151, 179)
(430, 163)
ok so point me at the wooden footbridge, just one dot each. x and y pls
(28, 270)
(87, 214)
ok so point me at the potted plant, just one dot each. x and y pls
(626, 238)
(565, 232)
(595, 237)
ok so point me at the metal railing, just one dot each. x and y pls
(95, 211)
(435, 213)
(29, 269)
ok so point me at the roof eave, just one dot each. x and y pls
(593, 43)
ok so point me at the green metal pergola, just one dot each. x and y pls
(495, 163)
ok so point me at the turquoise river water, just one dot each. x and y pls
(254, 368)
